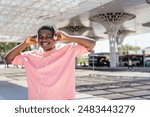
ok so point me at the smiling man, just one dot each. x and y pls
(50, 70)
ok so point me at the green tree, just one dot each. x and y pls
(127, 47)
(82, 60)
(7, 46)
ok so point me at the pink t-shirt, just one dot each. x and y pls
(50, 75)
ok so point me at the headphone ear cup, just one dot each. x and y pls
(55, 37)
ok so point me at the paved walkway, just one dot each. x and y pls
(114, 85)
(13, 86)
(89, 84)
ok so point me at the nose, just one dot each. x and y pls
(43, 39)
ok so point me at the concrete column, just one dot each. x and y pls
(112, 44)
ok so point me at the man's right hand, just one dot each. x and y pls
(30, 41)
(9, 57)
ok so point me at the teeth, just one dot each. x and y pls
(45, 43)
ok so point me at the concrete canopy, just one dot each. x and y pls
(20, 18)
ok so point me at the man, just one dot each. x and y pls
(130, 65)
(50, 70)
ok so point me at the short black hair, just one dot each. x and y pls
(50, 28)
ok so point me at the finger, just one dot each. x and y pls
(34, 40)
(34, 36)
(58, 36)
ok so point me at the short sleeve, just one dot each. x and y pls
(19, 59)
(78, 49)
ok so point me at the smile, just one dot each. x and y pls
(45, 43)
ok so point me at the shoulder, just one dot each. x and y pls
(68, 45)
(31, 53)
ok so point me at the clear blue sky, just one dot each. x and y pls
(142, 40)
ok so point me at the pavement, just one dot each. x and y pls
(90, 84)
(114, 85)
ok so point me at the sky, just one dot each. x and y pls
(142, 40)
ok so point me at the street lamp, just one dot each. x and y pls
(93, 53)
(143, 53)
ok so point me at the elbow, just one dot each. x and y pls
(7, 59)
(92, 45)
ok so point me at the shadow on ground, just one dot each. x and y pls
(11, 91)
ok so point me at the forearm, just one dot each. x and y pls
(9, 57)
(84, 41)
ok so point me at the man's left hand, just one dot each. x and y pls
(61, 36)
